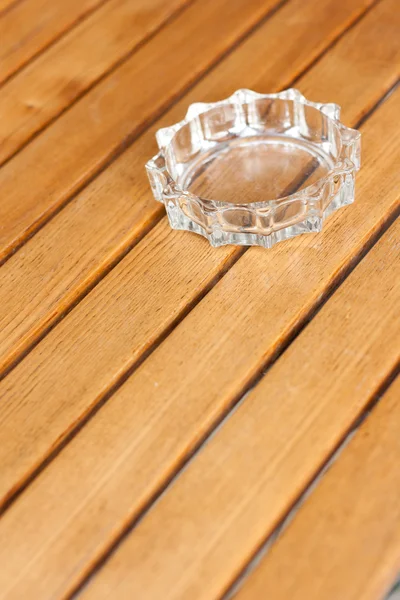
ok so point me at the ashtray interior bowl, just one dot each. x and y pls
(255, 169)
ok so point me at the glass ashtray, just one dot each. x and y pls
(255, 169)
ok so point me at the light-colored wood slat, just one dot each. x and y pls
(109, 471)
(54, 269)
(48, 85)
(115, 111)
(28, 27)
(345, 541)
(209, 522)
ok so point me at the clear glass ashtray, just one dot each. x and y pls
(255, 169)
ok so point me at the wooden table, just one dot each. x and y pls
(178, 421)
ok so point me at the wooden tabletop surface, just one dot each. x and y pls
(179, 422)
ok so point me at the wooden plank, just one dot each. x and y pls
(134, 443)
(48, 85)
(71, 253)
(108, 118)
(345, 540)
(207, 525)
(28, 27)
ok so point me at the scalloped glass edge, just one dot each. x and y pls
(315, 203)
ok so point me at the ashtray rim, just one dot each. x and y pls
(166, 189)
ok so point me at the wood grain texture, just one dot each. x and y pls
(108, 118)
(27, 27)
(6, 4)
(144, 431)
(208, 523)
(344, 541)
(43, 279)
(48, 85)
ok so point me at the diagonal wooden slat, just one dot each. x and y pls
(27, 27)
(111, 330)
(209, 522)
(345, 541)
(73, 251)
(50, 84)
(137, 440)
(104, 121)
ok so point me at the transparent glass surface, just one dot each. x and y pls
(255, 169)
